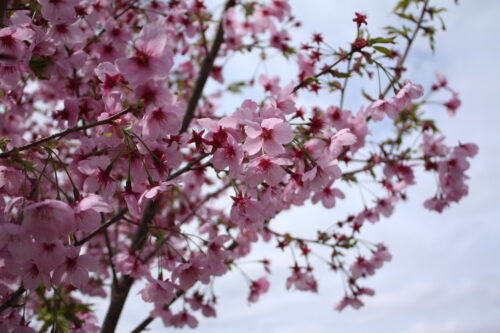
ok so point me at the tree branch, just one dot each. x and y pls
(114, 219)
(3, 9)
(186, 168)
(143, 325)
(13, 298)
(120, 290)
(205, 70)
(323, 72)
(63, 133)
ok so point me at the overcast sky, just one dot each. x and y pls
(445, 272)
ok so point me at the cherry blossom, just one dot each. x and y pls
(270, 135)
(131, 156)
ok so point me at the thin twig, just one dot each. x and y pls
(205, 70)
(132, 3)
(323, 72)
(185, 219)
(408, 46)
(114, 219)
(186, 168)
(64, 133)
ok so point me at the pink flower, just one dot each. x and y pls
(303, 281)
(270, 85)
(12, 41)
(153, 192)
(362, 268)
(453, 104)
(246, 212)
(87, 212)
(98, 175)
(231, 155)
(110, 77)
(48, 256)
(257, 288)
(327, 196)
(306, 66)
(352, 301)
(383, 106)
(380, 256)
(338, 118)
(153, 92)
(49, 219)
(67, 33)
(341, 139)
(152, 60)
(437, 204)
(160, 311)
(33, 276)
(191, 272)
(216, 255)
(75, 269)
(432, 146)
(279, 39)
(60, 10)
(158, 291)
(270, 135)
(10, 180)
(405, 95)
(282, 101)
(266, 169)
(128, 263)
(182, 319)
(161, 121)
(385, 206)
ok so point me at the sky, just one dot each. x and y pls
(445, 272)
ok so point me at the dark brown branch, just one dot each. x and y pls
(130, 5)
(3, 10)
(13, 298)
(206, 68)
(143, 325)
(64, 133)
(114, 219)
(120, 290)
(110, 257)
(186, 168)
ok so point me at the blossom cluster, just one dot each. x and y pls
(116, 169)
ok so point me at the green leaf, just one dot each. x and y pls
(403, 4)
(310, 79)
(340, 74)
(289, 52)
(39, 64)
(383, 50)
(381, 40)
(235, 87)
(3, 143)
